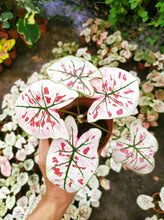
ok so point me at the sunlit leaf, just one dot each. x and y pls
(70, 164)
(37, 107)
(75, 73)
(116, 95)
(137, 151)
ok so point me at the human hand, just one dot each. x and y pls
(56, 200)
(52, 191)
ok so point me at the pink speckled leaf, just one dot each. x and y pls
(71, 163)
(116, 95)
(75, 73)
(136, 152)
(5, 166)
(37, 107)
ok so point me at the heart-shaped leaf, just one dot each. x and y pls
(116, 95)
(37, 107)
(71, 163)
(75, 73)
(137, 151)
(145, 202)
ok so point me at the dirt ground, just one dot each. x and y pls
(120, 202)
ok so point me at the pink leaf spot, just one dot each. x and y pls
(70, 184)
(37, 123)
(95, 115)
(43, 123)
(54, 160)
(119, 144)
(125, 151)
(93, 137)
(141, 160)
(23, 116)
(130, 102)
(57, 171)
(26, 119)
(70, 83)
(141, 137)
(30, 100)
(81, 181)
(63, 146)
(59, 98)
(119, 75)
(32, 123)
(48, 100)
(46, 90)
(129, 91)
(109, 114)
(124, 77)
(117, 101)
(37, 98)
(119, 112)
(85, 151)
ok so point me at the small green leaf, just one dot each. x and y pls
(6, 25)
(133, 5)
(144, 19)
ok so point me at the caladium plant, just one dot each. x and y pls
(137, 151)
(72, 160)
(71, 163)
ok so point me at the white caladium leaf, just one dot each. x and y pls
(28, 164)
(10, 202)
(33, 179)
(22, 178)
(161, 194)
(95, 195)
(82, 193)
(161, 204)
(15, 188)
(115, 166)
(84, 212)
(5, 166)
(75, 73)
(70, 164)
(3, 192)
(137, 151)
(23, 201)
(145, 202)
(8, 217)
(102, 170)
(18, 212)
(37, 107)
(93, 182)
(72, 211)
(116, 95)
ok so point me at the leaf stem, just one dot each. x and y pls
(68, 112)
